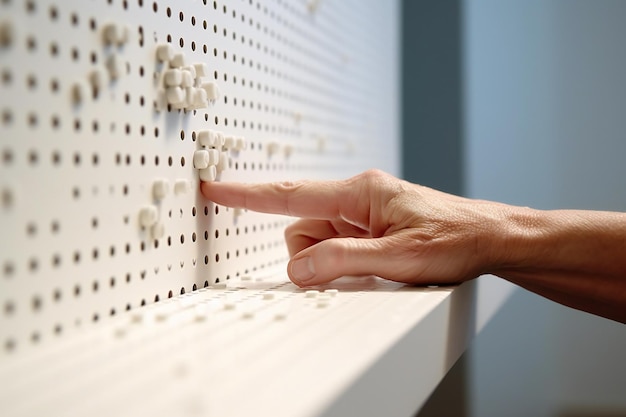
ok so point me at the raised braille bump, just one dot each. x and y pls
(223, 162)
(175, 95)
(206, 138)
(148, 215)
(208, 174)
(173, 77)
(212, 91)
(160, 189)
(178, 60)
(241, 144)
(229, 142)
(115, 66)
(187, 79)
(157, 230)
(201, 159)
(165, 52)
(182, 186)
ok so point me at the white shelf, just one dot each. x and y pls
(257, 347)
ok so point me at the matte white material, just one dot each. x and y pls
(201, 159)
(222, 164)
(206, 138)
(182, 186)
(157, 230)
(229, 142)
(240, 144)
(173, 77)
(202, 70)
(186, 79)
(165, 52)
(160, 188)
(148, 215)
(175, 95)
(6, 33)
(179, 60)
(212, 91)
(115, 66)
(208, 174)
(76, 264)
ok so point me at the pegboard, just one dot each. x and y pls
(110, 107)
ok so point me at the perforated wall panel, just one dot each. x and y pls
(109, 107)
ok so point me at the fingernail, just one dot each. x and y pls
(302, 269)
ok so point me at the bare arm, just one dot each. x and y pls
(376, 224)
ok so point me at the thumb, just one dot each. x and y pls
(337, 257)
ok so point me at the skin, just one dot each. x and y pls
(376, 224)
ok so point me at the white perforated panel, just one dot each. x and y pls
(103, 105)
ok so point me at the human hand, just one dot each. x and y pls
(373, 224)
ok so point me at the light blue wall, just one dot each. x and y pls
(545, 95)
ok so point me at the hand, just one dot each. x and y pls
(373, 224)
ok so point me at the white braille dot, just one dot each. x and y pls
(178, 60)
(206, 138)
(219, 139)
(148, 215)
(182, 186)
(268, 295)
(332, 292)
(208, 174)
(201, 69)
(201, 159)
(157, 230)
(187, 79)
(115, 66)
(109, 33)
(119, 332)
(175, 95)
(173, 77)
(98, 78)
(229, 142)
(311, 293)
(115, 34)
(199, 99)
(80, 92)
(212, 91)
(241, 144)
(272, 148)
(191, 69)
(160, 189)
(223, 162)
(165, 52)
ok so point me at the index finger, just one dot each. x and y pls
(312, 199)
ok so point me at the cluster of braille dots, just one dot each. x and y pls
(114, 36)
(183, 84)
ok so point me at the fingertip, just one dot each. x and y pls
(205, 189)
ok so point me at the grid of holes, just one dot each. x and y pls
(288, 16)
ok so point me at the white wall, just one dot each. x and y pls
(546, 127)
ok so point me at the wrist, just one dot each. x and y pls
(522, 238)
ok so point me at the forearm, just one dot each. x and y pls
(577, 258)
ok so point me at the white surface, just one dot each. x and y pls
(77, 165)
(255, 347)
